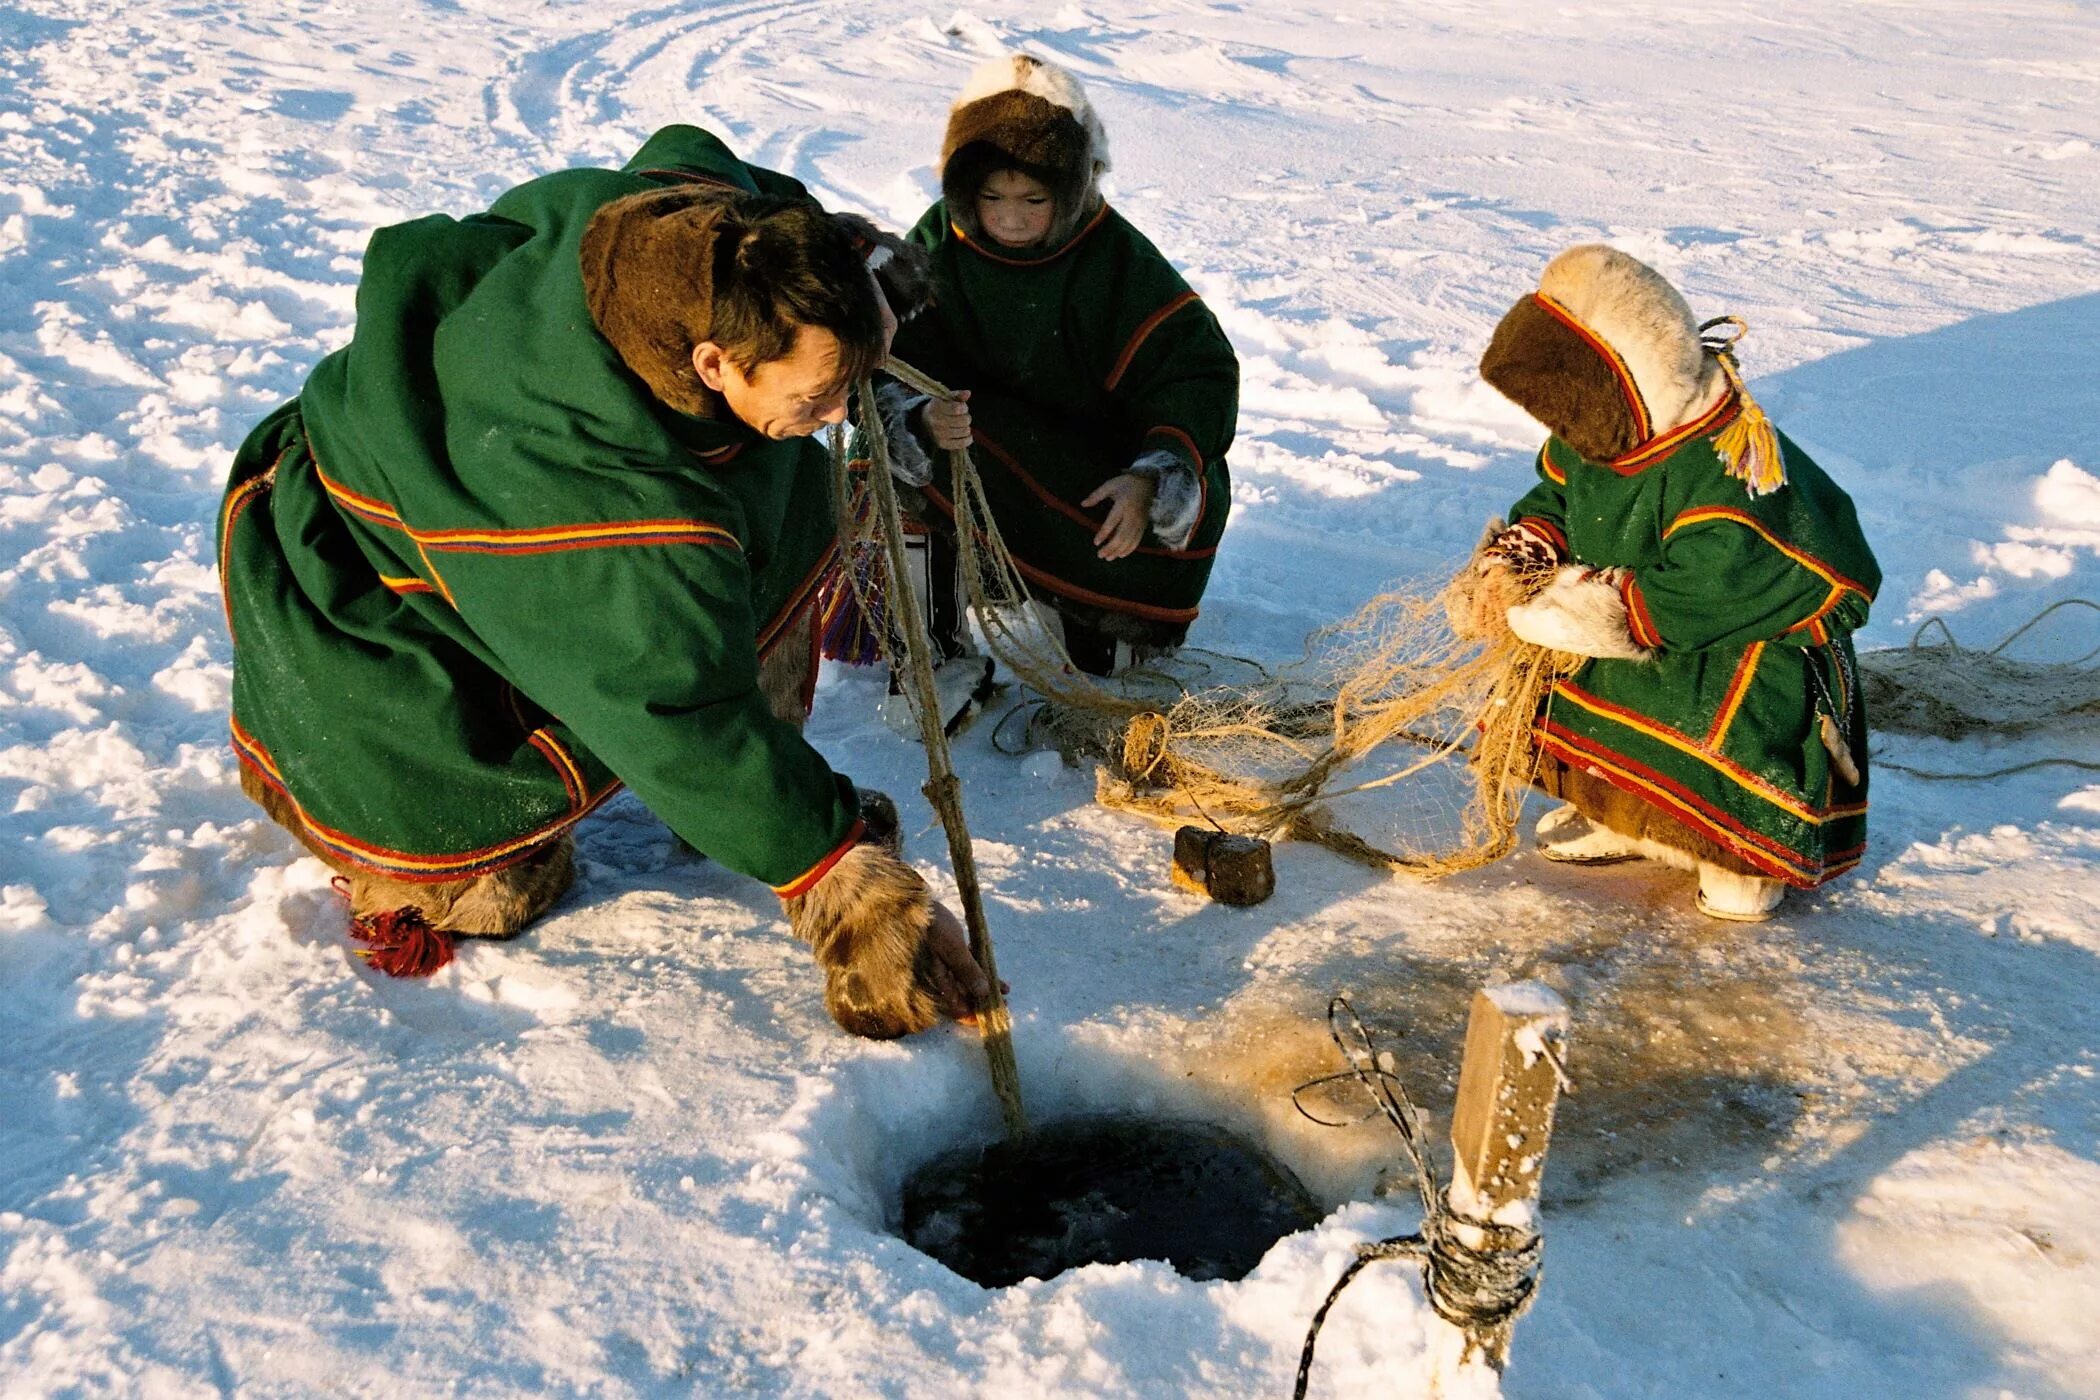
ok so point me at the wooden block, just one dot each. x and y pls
(1507, 1090)
(1230, 869)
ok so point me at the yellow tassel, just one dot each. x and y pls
(1749, 446)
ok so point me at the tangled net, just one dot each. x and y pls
(1948, 691)
(1267, 753)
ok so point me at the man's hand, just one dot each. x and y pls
(948, 421)
(1130, 503)
(959, 984)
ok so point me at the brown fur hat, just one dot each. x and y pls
(867, 922)
(1605, 354)
(1019, 112)
(648, 275)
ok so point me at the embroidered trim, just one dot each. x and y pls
(402, 865)
(238, 500)
(1141, 335)
(1655, 449)
(1821, 570)
(411, 584)
(1628, 389)
(802, 884)
(1732, 701)
(1684, 743)
(1548, 468)
(1751, 846)
(538, 539)
(769, 636)
(991, 256)
(1639, 621)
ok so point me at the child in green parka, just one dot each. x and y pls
(1712, 573)
(1100, 394)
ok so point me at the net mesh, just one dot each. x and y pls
(1938, 687)
(1389, 703)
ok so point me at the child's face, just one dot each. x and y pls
(1015, 210)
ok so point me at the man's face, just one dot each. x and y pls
(793, 396)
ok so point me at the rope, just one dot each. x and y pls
(942, 788)
(1261, 758)
(1478, 1276)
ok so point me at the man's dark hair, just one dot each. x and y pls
(781, 264)
(668, 269)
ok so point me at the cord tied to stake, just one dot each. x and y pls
(1479, 1275)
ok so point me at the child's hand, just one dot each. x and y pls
(948, 421)
(1130, 505)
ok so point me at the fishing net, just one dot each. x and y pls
(1389, 702)
(1938, 687)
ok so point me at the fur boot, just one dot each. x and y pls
(495, 905)
(867, 922)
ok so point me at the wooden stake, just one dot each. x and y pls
(942, 788)
(1507, 1089)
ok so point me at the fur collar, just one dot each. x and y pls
(1022, 112)
(648, 277)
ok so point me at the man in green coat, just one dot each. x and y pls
(1712, 572)
(553, 522)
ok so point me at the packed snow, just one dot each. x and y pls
(1855, 1151)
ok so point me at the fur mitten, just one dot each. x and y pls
(903, 270)
(1582, 611)
(1494, 580)
(867, 922)
(1177, 496)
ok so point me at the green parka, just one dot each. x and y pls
(1078, 359)
(1749, 604)
(477, 576)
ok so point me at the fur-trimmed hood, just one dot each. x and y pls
(648, 276)
(1606, 354)
(1022, 113)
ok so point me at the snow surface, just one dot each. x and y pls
(1855, 1151)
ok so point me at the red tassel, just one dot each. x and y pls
(401, 942)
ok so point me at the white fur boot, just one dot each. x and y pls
(1743, 899)
(1567, 836)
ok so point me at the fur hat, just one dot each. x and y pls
(648, 276)
(1022, 113)
(1605, 354)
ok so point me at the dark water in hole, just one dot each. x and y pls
(1104, 1191)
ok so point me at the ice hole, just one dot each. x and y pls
(1105, 1189)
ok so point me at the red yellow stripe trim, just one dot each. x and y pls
(1549, 469)
(1753, 847)
(1699, 514)
(1141, 335)
(1639, 621)
(403, 865)
(1655, 449)
(538, 539)
(1547, 531)
(1732, 701)
(238, 500)
(802, 884)
(1684, 743)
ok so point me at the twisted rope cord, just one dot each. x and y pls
(1478, 1276)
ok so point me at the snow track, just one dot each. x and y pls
(1851, 1152)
